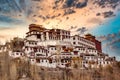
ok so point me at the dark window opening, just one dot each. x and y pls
(38, 36)
(73, 38)
(74, 43)
(38, 60)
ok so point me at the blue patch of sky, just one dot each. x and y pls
(115, 50)
(7, 21)
(110, 26)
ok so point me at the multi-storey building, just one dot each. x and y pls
(57, 48)
(53, 47)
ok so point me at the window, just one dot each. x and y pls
(103, 62)
(73, 38)
(75, 53)
(107, 62)
(27, 49)
(29, 42)
(38, 36)
(35, 43)
(66, 32)
(42, 51)
(69, 33)
(51, 48)
(63, 32)
(74, 43)
(38, 60)
(55, 48)
(16, 53)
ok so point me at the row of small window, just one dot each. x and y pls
(87, 50)
(38, 61)
(92, 50)
(66, 32)
(63, 32)
(63, 57)
(79, 43)
(91, 57)
(18, 54)
(100, 58)
(84, 40)
(39, 50)
(52, 61)
(82, 44)
(62, 61)
(54, 38)
(53, 48)
(104, 62)
(33, 33)
(82, 49)
(33, 43)
(63, 36)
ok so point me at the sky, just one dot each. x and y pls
(98, 17)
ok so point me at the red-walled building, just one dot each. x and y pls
(93, 39)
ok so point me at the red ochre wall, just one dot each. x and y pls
(93, 39)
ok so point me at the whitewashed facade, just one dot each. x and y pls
(56, 47)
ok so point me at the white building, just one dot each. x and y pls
(56, 47)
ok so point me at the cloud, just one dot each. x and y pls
(69, 3)
(98, 14)
(22, 4)
(94, 20)
(51, 9)
(82, 30)
(8, 19)
(108, 14)
(109, 37)
(73, 27)
(75, 3)
(69, 11)
(105, 3)
(111, 41)
(81, 5)
(115, 41)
